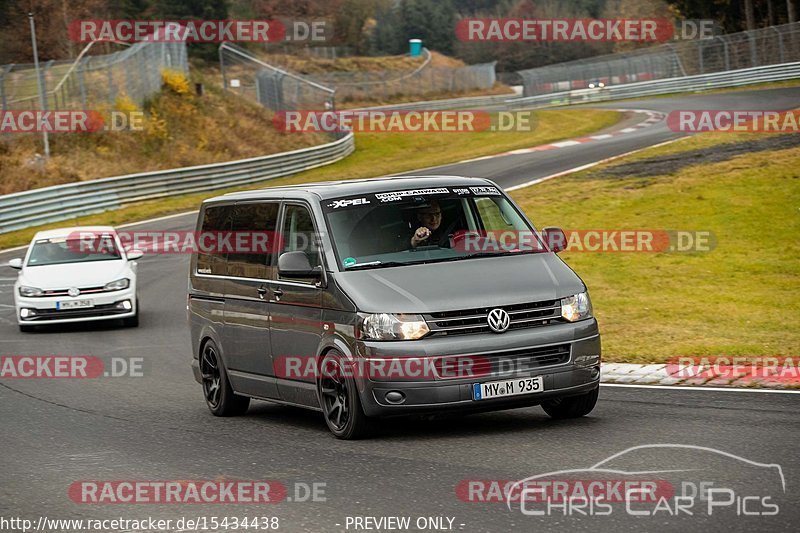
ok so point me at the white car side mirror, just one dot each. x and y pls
(15, 263)
(133, 255)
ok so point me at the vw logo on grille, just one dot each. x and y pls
(498, 320)
(73, 291)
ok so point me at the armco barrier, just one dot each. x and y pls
(717, 80)
(469, 102)
(61, 202)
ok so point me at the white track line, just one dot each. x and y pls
(698, 388)
(584, 167)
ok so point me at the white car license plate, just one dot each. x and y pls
(74, 304)
(509, 387)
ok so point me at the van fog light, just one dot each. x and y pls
(27, 313)
(395, 397)
(125, 304)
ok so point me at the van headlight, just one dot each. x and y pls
(391, 327)
(117, 285)
(30, 292)
(577, 307)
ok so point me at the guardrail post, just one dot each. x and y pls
(700, 50)
(753, 51)
(222, 67)
(3, 92)
(110, 75)
(780, 42)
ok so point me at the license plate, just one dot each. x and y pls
(74, 304)
(509, 387)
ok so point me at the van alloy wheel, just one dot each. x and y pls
(209, 369)
(335, 397)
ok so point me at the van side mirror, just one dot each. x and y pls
(133, 255)
(296, 265)
(555, 239)
(15, 263)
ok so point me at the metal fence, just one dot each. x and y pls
(90, 81)
(279, 89)
(274, 88)
(424, 80)
(61, 202)
(765, 46)
(716, 80)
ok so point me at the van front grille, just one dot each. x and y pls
(498, 363)
(466, 321)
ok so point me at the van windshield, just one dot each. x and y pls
(426, 225)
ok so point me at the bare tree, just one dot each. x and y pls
(749, 15)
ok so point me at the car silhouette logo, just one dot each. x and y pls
(73, 291)
(498, 320)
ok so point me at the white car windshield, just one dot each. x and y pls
(62, 251)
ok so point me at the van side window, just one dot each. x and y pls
(257, 221)
(299, 235)
(215, 219)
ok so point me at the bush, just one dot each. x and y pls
(175, 81)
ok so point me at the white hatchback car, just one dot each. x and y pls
(76, 274)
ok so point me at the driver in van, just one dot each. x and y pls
(430, 231)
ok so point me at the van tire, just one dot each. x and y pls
(571, 406)
(217, 390)
(339, 399)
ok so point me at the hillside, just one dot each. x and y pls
(180, 129)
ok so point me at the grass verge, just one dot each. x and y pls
(376, 154)
(740, 298)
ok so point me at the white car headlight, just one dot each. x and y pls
(118, 285)
(390, 327)
(30, 291)
(577, 307)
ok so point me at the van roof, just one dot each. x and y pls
(335, 189)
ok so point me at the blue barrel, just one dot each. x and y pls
(415, 47)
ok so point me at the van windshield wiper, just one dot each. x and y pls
(475, 255)
(375, 264)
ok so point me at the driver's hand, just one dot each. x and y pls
(420, 235)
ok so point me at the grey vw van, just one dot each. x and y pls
(385, 297)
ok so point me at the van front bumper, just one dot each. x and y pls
(577, 372)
